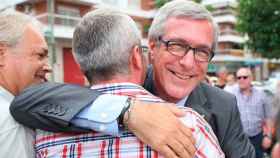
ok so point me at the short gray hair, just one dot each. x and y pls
(102, 43)
(12, 26)
(181, 8)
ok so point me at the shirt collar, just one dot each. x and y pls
(6, 94)
(181, 103)
(98, 86)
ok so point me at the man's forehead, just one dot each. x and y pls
(40, 49)
(243, 72)
(183, 29)
(34, 39)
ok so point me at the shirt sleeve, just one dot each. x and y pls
(207, 144)
(267, 105)
(102, 114)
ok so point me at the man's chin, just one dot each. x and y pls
(177, 95)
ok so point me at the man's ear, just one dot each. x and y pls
(136, 58)
(3, 51)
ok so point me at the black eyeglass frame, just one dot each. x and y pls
(187, 47)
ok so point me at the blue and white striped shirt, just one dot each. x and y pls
(254, 109)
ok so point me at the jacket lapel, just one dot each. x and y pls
(197, 100)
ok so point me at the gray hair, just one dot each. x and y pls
(12, 26)
(102, 43)
(181, 8)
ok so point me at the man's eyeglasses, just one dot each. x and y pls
(242, 77)
(181, 49)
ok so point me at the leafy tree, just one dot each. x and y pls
(260, 20)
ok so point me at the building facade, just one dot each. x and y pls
(60, 17)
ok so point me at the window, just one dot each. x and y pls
(67, 15)
(125, 4)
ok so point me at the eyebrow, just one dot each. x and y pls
(44, 50)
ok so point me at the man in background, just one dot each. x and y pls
(276, 149)
(231, 82)
(23, 61)
(222, 77)
(254, 108)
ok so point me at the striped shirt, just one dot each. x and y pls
(254, 109)
(98, 145)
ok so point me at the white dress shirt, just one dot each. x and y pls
(15, 139)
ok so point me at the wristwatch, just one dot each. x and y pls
(125, 109)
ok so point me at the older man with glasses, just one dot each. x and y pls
(255, 110)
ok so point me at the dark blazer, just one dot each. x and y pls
(219, 108)
(51, 106)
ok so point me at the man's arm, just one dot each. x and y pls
(51, 106)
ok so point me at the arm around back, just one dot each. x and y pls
(51, 106)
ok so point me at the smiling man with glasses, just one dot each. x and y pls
(255, 110)
(182, 41)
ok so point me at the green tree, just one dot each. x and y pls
(260, 20)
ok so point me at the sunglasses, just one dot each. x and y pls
(242, 77)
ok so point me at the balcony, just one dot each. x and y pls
(228, 11)
(225, 19)
(132, 8)
(9, 3)
(229, 32)
(63, 24)
(231, 38)
(220, 3)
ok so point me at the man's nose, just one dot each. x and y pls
(188, 59)
(47, 68)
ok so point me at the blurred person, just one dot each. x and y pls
(23, 56)
(231, 79)
(276, 99)
(231, 82)
(222, 77)
(207, 80)
(255, 110)
(104, 25)
(180, 59)
(276, 148)
(214, 80)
